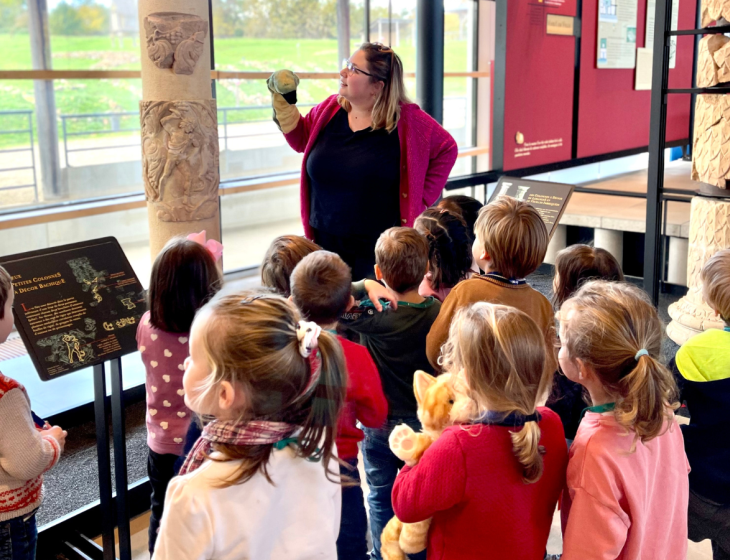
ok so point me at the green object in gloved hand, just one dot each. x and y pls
(283, 87)
(284, 82)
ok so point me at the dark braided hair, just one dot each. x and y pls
(449, 246)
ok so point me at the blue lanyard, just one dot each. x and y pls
(512, 419)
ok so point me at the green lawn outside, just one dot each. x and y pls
(234, 54)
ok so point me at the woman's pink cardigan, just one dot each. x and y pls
(427, 154)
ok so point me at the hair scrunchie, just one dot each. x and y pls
(307, 335)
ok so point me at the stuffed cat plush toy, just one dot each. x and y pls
(441, 403)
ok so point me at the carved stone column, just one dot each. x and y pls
(179, 121)
(709, 231)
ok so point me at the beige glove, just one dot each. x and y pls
(283, 87)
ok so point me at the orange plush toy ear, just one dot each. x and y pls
(421, 383)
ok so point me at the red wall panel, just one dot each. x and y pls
(538, 85)
(612, 115)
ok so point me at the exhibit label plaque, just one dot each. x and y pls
(76, 305)
(550, 199)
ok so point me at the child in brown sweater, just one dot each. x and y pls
(510, 242)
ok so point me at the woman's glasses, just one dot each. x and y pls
(351, 68)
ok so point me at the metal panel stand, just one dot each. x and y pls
(107, 500)
(104, 462)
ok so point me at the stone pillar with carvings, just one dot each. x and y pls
(179, 121)
(709, 231)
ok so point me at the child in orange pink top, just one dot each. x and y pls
(627, 482)
(184, 277)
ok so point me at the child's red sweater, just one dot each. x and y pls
(365, 400)
(470, 483)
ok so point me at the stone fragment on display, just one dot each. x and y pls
(175, 40)
(707, 65)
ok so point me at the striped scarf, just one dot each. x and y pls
(256, 432)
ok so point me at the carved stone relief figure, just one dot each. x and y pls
(707, 67)
(711, 148)
(180, 158)
(175, 40)
(714, 10)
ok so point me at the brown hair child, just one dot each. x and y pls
(184, 277)
(449, 252)
(574, 266)
(320, 288)
(627, 486)
(265, 468)
(396, 339)
(511, 241)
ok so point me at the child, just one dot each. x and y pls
(627, 486)
(465, 206)
(320, 288)
(703, 364)
(574, 266)
(449, 252)
(262, 480)
(511, 241)
(491, 487)
(26, 452)
(184, 277)
(281, 257)
(577, 264)
(284, 254)
(396, 340)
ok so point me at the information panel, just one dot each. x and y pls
(550, 199)
(75, 306)
(616, 42)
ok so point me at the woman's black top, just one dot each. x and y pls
(354, 179)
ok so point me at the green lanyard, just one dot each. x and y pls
(599, 408)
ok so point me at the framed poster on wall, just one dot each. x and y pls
(616, 40)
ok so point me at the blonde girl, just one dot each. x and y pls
(495, 482)
(627, 481)
(262, 481)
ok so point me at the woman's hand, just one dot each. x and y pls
(376, 291)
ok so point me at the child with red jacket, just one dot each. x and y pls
(320, 288)
(491, 487)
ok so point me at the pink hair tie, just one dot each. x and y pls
(214, 248)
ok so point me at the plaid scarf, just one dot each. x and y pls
(256, 432)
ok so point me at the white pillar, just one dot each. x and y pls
(557, 244)
(179, 121)
(677, 261)
(612, 241)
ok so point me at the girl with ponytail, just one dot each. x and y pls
(495, 482)
(627, 482)
(263, 479)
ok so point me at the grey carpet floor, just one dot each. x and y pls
(73, 483)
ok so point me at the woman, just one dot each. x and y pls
(372, 159)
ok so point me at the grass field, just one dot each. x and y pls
(240, 54)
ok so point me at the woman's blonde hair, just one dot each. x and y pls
(608, 325)
(385, 66)
(251, 342)
(501, 352)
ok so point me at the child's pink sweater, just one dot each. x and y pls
(163, 355)
(628, 506)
